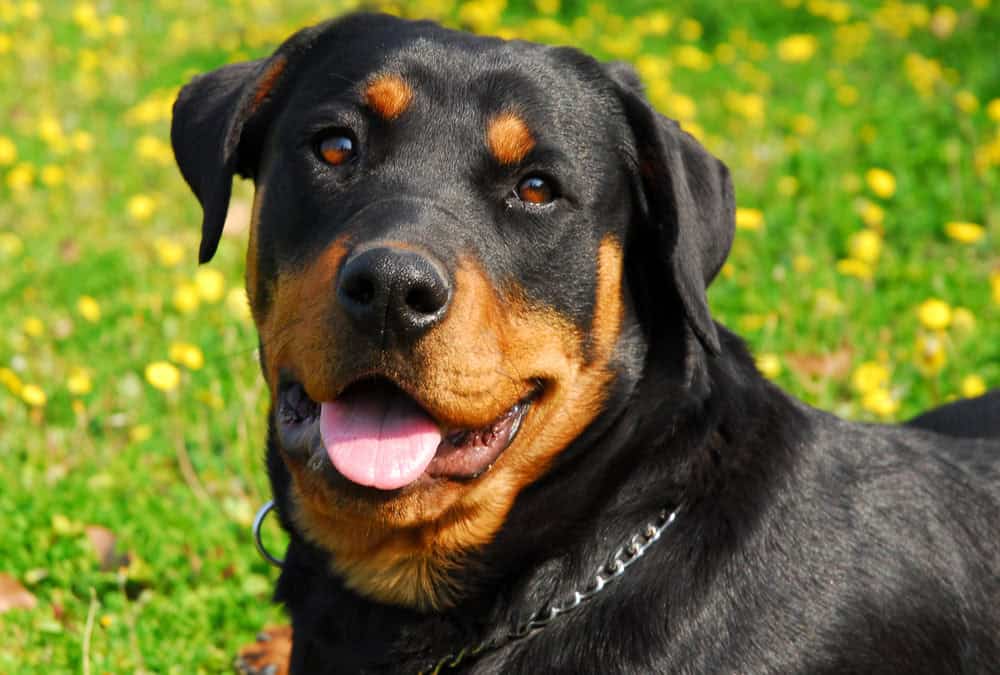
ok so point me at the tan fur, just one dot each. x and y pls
(388, 95)
(470, 369)
(508, 138)
(268, 80)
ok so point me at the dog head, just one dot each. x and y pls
(458, 251)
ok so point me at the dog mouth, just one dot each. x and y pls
(376, 435)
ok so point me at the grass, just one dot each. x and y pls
(829, 279)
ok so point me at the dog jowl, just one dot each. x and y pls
(478, 271)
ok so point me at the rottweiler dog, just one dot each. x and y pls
(506, 435)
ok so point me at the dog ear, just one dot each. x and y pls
(211, 114)
(688, 199)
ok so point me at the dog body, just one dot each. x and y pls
(478, 269)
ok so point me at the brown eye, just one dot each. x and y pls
(535, 190)
(336, 149)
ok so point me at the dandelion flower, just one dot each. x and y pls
(972, 386)
(869, 376)
(749, 219)
(881, 402)
(865, 246)
(186, 299)
(238, 304)
(993, 110)
(163, 375)
(33, 326)
(967, 233)
(934, 314)
(797, 48)
(769, 365)
(858, 269)
(187, 354)
(11, 245)
(995, 283)
(88, 308)
(881, 182)
(78, 383)
(140, 433)
(211, 284)
(8, 151)
(931, 356)
(141, 207)
(963, 320)
(33, 395)
(169, 252)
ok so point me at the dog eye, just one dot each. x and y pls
(535, 190)
(336, 149)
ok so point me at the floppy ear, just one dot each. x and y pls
(688, 197)
(210, 117)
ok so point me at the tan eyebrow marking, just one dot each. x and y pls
(509, 138)
(388, 95)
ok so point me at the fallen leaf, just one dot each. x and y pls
(104, 542)
(14, 596)
(835, 365)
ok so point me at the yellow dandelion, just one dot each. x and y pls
(966, 101)
(52, 175)
(872, 214)
(31, 11)
(140, 433)
(803, 264)
(186, 298)
(8, 151)
(943, 21)
(847, 95)
(934, 314)
(881, 182)
(11, 245)
(88, 308)
(865, 246)
(187, 355)
(995, 284)
(881, 402)
(21, 177)
(33, 326)
(78, 382)
(769, 365)
(168, 252)
(141, 207)
(869, 376)
(689, 56)
(993, 110)
(82, 141)
(33, 395)
(963, 320)
(788, 186)
(797, 48)
(9, 379)
(858, 269)
(211, 284)
(116, 25)
(238, 303)
(50, 129)
(153, 149)
(163, 375)
(749, 219)
(931, 355)
(690, 30)
(967, 233)
(972, 386)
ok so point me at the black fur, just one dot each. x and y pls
(803, 544)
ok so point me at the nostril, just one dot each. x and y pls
(426, 299)
(359, 288)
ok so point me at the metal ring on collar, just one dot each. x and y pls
(257, 521)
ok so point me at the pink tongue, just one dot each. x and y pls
(385, 442)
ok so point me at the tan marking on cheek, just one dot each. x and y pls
(388, 95)
(252, 278)
(297, 330)
(268, 81)
(508, 138)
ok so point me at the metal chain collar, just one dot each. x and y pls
(620, 560)
(623, 558)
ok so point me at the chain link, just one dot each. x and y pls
(623, 558)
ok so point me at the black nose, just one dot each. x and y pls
(395, 291)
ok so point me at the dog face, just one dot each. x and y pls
(437, 270)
